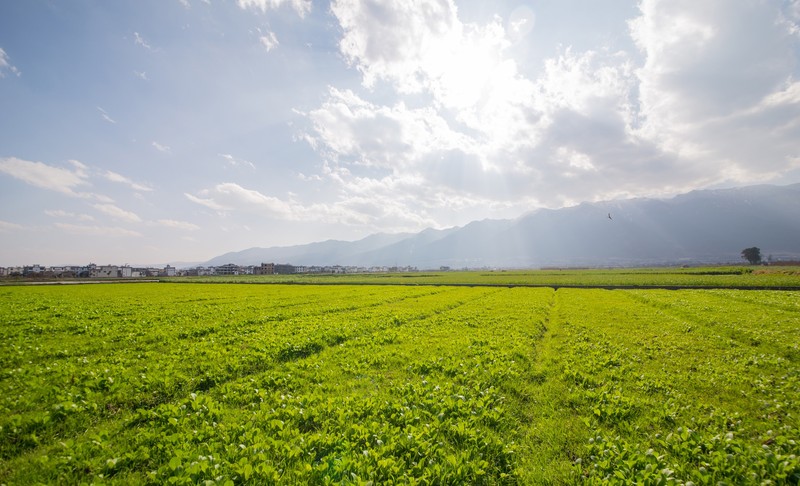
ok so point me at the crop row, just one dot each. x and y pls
(338, 389)
(265, 384)
(73, 365)
(686, 387)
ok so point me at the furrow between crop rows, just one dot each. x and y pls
(280, 384)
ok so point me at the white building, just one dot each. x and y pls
(105, 271)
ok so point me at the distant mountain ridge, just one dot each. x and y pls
(704, 226)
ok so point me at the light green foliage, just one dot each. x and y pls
(684, 387)
(177, 383)
(274, 384)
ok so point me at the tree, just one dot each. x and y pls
(752, 255)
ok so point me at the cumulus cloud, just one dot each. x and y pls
(487, 128)
(422, 46)
(709, 97)
(349, 127)
(6, 66)
(513, 161)
(397, 41)
(114, 177)
(731, 104)
(117, 213)
(402, 157)
(302, 7)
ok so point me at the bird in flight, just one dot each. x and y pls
(609, 217)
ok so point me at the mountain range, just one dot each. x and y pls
(703, 226)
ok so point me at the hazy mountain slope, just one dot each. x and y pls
(702, 225)
(412, 249)
(321, 253)
(706, 226)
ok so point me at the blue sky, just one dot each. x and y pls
(156, 131)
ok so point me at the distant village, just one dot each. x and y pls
(125, 271)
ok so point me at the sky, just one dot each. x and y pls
(158, 131)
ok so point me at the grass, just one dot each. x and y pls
(286, 384)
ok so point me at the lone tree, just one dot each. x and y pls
(752, 255)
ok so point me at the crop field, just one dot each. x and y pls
(153, 383)
(774, 277)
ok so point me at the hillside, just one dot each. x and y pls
(708, 226)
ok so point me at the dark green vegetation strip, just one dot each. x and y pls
(742, 278)
(255, 384)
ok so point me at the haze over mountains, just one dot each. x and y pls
(706, 226)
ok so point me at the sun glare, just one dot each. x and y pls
(466, 76)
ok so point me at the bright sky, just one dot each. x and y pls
(154, 131)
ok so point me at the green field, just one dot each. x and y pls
(701, 277)
(310, 384)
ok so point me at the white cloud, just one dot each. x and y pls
(209, 203)
(717, 87)
(60, 213)
(45, 176)
(233, 195)
(230, 196)
(368, 205)
(182, 225)
(58, 179)
(302, 7)
(235, 162)
(162, 148)
(783, 97)
(595, 124)
(6, 66)
(105, 116)
(269, 41)
(574, 159)
(117, 213)
(139, 41)
(394, 41)
(590, 83)
(351, 129)
(422, 46)
(524, 159)
(97, 230)
(5, 226)
(114, 177)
